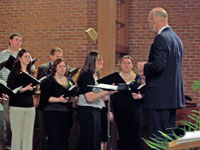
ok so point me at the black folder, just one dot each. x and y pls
(72, 72)
(9, 63)
(72, 91)
(27, 79)
(6, 90)
(140, 88)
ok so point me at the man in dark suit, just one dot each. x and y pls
(45, 69)
(163, 72)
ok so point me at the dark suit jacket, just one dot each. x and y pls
(164, 72)
(44, 70)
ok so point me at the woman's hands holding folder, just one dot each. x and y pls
(29, 87)
(136, 96)
(73, 99)
(4, 97)
(63, 100)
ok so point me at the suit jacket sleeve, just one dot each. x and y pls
(41, 72)
(158, 57)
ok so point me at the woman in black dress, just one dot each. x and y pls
(127, 106)
(57, 108)
(90, 103)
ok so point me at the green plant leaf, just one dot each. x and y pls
(150, 145)
(165, 135)
(175, 135)
(190, 125)
(155, 145)
(160, 142)
(195, 111)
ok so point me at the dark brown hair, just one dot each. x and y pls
(17, 64)
(11, 37)
(55, 64)
(90, 64)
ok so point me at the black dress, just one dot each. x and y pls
(89, 115)
(128, 113)
(57, 116)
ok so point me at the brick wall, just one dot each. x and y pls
(45, 24)
(184, 19)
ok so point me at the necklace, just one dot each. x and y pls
(61, 78)
(126, 77)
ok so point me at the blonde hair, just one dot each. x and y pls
(126, 57)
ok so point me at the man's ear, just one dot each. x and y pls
(10, 40)
(51, 57)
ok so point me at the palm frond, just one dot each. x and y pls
(160, 142)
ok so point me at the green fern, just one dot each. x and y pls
(160, 142)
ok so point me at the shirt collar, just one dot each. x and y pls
(162, 29)
(11, 53)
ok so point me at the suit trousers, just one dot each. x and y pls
(160, 120)
(22, 126)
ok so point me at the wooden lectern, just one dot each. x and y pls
(173, 146)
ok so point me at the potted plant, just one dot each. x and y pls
(161, 142)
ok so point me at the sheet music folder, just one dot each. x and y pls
(120, 87)
(72, 91)
(10, 61)
(28, 79)
(109, 87)
(73, 71)
(140, 88)
(6, 90)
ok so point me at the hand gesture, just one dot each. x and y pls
(63, 100)
(73, 99)
(140, 67)
(28, 87)
(4, 97)
(37, 87)
(136, 96)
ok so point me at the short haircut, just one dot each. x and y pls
(56, 49)
(13, 35)
(126, 57)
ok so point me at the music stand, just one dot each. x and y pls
(108, 123)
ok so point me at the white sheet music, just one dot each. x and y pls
(105, 86)
(189, 137)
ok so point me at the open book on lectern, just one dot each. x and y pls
(6, 90)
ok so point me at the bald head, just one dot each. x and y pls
(159, 12)
(157, 18)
